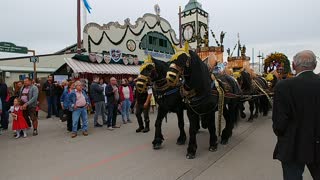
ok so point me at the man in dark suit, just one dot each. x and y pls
(296, 119)
(3, 95)
(112, 94)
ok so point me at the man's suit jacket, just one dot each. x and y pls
(296, 119)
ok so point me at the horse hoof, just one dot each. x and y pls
(213, 148)
(243, 115)
(157, 146)
(181, 142)
(224, 141)
(190, 156)
(255, 116)
(250, 120)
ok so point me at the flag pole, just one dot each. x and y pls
(180, 28)
(79, 26)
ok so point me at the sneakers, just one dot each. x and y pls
(35, 132)
(110, 128)
(115, 126)
(97, 125)
(17, 136)
(129, 121)
(124, 122)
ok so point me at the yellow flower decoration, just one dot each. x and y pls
(236, 75)
(179, 51)
(269, 77)
(146, 62)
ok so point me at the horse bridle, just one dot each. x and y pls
(142, 83)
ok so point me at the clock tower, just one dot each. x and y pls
(194, 24)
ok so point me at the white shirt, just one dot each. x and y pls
(126, 92)
(149, 90)
(104, 85)
(303, 72)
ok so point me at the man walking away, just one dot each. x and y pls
(296, 119)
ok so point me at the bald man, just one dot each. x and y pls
(112, 94)
(296, 119)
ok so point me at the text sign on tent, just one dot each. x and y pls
(12, 48)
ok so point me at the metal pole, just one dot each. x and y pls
(253, 58)
(259, 62)
(180, 30)
(78, 27)
(262, 58)
(34, 65)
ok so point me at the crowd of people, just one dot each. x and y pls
(22, 105)
(295, 114)
(70, 102)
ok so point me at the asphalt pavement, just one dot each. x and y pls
(124, 154)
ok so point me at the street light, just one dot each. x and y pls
(261, 57)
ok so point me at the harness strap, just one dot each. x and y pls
(220, 102)
(171, 92)
(263, 91)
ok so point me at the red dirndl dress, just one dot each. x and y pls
(20, 123)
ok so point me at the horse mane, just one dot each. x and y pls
(199, 75)
(161, 67)
(246, 81)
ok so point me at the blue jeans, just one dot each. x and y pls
(52, 105)
(100, 108)
(76, 114)
(125, 110)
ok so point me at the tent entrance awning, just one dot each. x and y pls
(95, 68)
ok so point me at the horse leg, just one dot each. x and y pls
(183, 137)
(158, 137)
(227, 131)
(257, 108)
(251, 107)
(212, 130)
(192, 147)
(243, 115)
(265, 105)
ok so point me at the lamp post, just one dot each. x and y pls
(261, 57)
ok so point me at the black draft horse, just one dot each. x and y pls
(169, 99)
(252, 86)
(186, 67)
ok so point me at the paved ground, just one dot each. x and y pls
(123, 154)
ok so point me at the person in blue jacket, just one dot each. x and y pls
(79, 103)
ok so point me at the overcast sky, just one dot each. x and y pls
(267, 25)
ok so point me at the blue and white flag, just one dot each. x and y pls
(87, 5)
